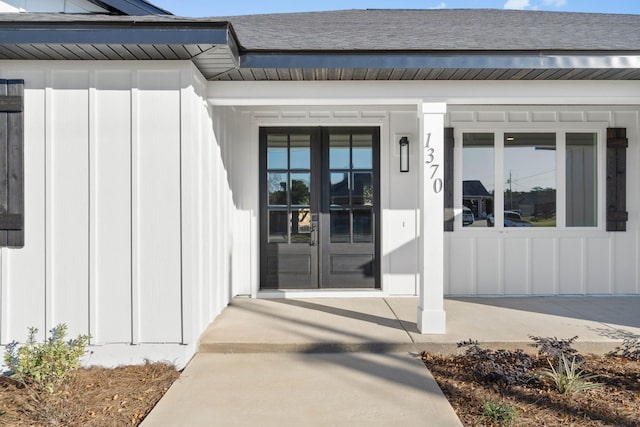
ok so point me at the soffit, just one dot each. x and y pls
(209, 44)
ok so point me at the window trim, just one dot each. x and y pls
(560, 129)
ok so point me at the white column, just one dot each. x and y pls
(431, 315)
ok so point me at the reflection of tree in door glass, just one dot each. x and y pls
(300, 189)
(277, 187)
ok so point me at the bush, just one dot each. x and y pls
(499, 414)
(44, 366)
(568, 377)
(500, 366)
(630, 348)
(555, 348)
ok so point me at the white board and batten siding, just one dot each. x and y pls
(125, 219)
(554, 261)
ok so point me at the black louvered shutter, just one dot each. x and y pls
(448, 179)
(11, 163)
(617, 144)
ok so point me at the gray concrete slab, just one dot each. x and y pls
(289, 389)
(600, 323)
(303, 325)
(346, 361)
(389, 324)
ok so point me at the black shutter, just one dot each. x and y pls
(448, 179)
(11, 163)
(617, 144)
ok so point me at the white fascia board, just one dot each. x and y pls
(265, 93)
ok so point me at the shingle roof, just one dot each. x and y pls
(347, 45)
(474, 188)
(445, 29)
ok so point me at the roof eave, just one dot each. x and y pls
(131, 7)
(113, 32)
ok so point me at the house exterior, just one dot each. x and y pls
(158, 166)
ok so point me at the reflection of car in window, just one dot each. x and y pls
(467, 216)
(511, 219)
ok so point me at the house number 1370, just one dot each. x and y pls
(436, 182)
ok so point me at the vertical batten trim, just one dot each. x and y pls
(4, 297)
(583, 267)
(474, 265)
(556, 266)
(254, 136)
(48, 194)
(93, 211)
(611, 264)
(186, 290)
(134, 170)
(561, 178)
(528, 266)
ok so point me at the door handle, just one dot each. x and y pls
(313, 240)
(314, 233)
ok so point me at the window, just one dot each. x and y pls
(582, 196)
(513, 179)
(478, 186)
(529, 171)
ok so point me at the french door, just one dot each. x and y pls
(319, 215)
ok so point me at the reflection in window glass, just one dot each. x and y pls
(339, 152)
(277, 188)
(362, 226)
(339, 191)
(300, 188)
(362, 152)
(300, 152)
(362, 188)
(277, 152)
(478, 182)
(530, 180)
(340, 226)
(300, 225)
(581, 180)
(278, 226)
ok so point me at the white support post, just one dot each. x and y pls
(431, 315)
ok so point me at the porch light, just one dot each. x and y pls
(404, 154)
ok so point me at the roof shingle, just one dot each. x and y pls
(444, 29)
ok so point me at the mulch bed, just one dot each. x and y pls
(91, 397)
(537, 403)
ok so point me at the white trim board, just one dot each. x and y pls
(415, 92)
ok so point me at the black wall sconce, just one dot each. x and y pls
(404, 154)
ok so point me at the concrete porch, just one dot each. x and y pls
(355, 361)
(389, 324)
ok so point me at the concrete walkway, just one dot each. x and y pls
(335, 362)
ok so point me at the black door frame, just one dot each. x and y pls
(320, 199)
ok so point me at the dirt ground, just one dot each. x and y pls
(92, 397)
(617, 403)
(124, 396)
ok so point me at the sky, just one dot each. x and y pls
(200, 8)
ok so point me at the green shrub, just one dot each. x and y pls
(568, 377)
(45, 365)
(499, 414)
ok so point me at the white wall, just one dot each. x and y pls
(533, 261)
(126, 206)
